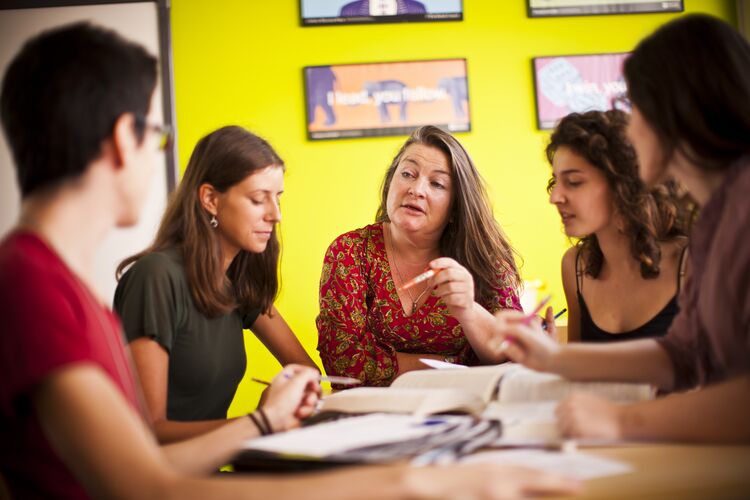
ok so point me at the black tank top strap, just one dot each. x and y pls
(681, 268)
(579, 272)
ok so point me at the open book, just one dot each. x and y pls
(472, 390)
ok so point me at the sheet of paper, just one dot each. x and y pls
(441, 365)
(577, 465)
(350, 433)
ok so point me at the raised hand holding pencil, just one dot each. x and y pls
(527, 320)
(523, 341)
(453, 283)
(291, 396)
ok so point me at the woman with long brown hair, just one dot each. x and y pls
(622, 277)
(434, 213)
(211, 272)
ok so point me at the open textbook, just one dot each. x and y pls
(475, 390)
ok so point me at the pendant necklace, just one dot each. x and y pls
(414, 301)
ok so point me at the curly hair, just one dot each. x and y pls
(650, 215)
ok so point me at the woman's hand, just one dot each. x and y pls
(549, 324)
(292, 396)
(455, 285)
(528, 344)
(583, 415)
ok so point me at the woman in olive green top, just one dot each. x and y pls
(211, 272)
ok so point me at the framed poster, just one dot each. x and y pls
(337, 12)
(553, 8)
(390, 98)
(568, 84)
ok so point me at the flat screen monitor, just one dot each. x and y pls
(553, 8)
(390, 98)
(336, 12)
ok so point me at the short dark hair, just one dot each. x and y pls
(63, 93)
(651, 215)
(690, 80)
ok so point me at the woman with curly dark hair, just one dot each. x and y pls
(689, 85)
(630, 238)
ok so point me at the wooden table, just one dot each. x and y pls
(674, 471)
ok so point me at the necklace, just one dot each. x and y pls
(414, 301)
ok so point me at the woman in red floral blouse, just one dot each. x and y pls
(434, 213)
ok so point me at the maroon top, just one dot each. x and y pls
(362, 323)
(709, 340)
(50, 321)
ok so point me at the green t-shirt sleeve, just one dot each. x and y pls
(147, 299)
(249, 317)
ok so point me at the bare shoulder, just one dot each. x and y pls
(569, 260)
(673, 249)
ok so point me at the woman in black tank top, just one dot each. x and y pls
(654, 327)
(631, 240)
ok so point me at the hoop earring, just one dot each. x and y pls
(214, 223)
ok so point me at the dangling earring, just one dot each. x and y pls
(214, 223)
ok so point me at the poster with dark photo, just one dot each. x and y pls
(392, 98)
(567, 84)
(336, 12)
(552, 8)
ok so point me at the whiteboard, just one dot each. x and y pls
(138, 21)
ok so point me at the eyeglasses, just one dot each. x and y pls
(622, 102)
(164, 131)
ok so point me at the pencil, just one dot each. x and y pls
(323, 378)
(420, 278)
(526, 321)
(536, 310)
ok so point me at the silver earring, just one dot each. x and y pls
(214, 223)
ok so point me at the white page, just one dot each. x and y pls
(577, 465)
(441, 365)
(511, 413)
(349, 433)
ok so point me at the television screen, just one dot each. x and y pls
(551, 8)
(393, 98)
(326, 12)
(567, 84)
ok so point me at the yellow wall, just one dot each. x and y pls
(240, 62)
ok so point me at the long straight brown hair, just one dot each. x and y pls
(472, 237)
(222, 159)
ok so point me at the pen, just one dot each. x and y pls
(420, 278)
(323, 378)
(563, 311)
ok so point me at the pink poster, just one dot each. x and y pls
(568, 84)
